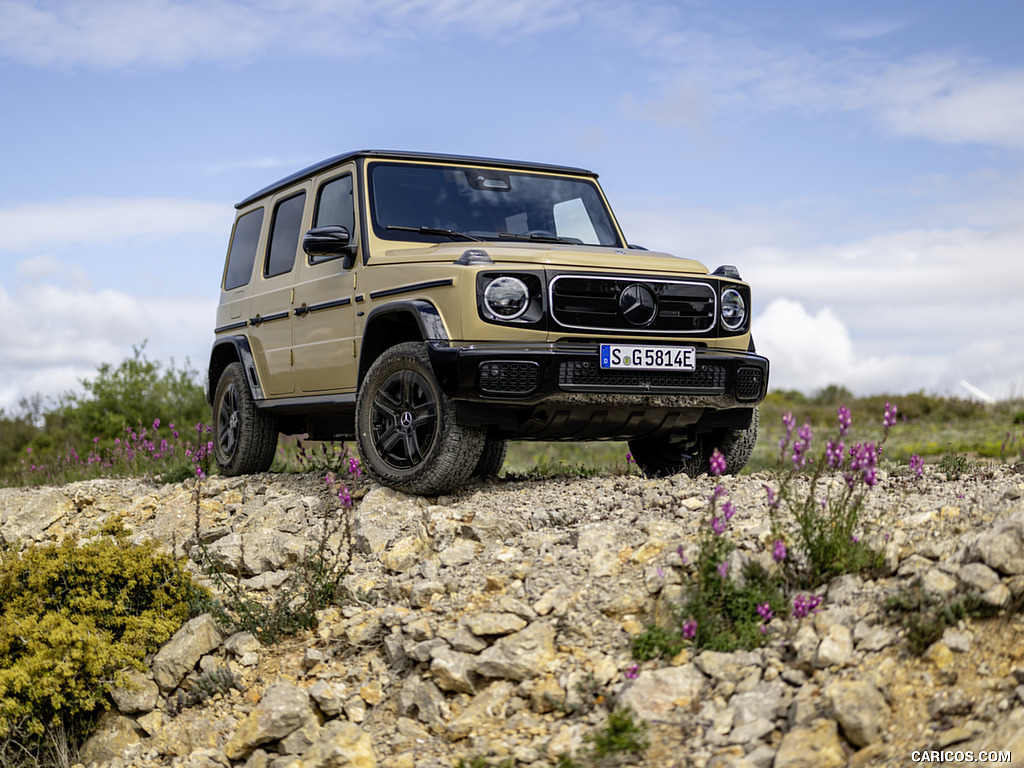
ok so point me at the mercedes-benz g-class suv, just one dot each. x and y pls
(435, 307)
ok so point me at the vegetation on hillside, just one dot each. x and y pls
(140, 418)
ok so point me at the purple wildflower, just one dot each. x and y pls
(917, 465)
(802, 445)
(717, 463)
(845, 420)
(779, 551)
(728, 510)
(804, 605)
(773, 502)
(689, 629)
(889, 420)
(834, 453)
(682, 557)
(723, 569)
(632, 672)
(718, 525)
(765, 612)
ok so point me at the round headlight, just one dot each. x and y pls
(506, 298)
(734, 310)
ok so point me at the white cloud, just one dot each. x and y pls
(867, 30)
(948, 100)
(901, 311)
(719, 72)
(55, 332)
(107, 220)
(809, 352)
(109, 34)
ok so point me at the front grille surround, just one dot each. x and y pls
(591, 303)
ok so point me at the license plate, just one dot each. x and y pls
(638, 356)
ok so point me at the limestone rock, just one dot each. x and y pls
(182, 652)
(861, 710)
(835, 648)
(25, 516)
(114, 734)
(657, 693)
(454, 671)
(486, 707)
(328, 697)
(521, 655)
(494, 623)
(1002, 547)
(815, 746)
(340, 745)
(283, 709)
(140, 695)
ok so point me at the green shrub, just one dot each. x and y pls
(76, 617)
(925, 615)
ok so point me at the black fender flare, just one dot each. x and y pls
(227, 350)
(424, 314)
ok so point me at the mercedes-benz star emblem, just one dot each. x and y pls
(637, 304)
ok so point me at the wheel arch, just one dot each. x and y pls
(227, 350)
(395, 323)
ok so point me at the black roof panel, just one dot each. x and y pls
(330, 162)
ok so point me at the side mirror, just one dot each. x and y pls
(323, 243)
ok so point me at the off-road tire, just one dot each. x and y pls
(662, 456)
(244, 437)
(405, 426)
(491, 460)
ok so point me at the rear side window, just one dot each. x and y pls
(284, 235)
(334, 206)
(242, 254)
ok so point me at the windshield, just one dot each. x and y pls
(436, 203)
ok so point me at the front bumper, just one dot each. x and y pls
(559, 391)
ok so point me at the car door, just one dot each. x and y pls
(324, 325)
(273, 297)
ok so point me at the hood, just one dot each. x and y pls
(550, 255)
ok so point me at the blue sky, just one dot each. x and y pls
(861, 163)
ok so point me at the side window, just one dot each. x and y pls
(284, 235)
(242, 254)
(334, 206)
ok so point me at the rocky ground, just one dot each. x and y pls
(495, 626)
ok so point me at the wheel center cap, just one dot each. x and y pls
(406, 419)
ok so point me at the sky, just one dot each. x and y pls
(862, 164)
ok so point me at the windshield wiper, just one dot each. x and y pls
(537, 238)
(436, 231)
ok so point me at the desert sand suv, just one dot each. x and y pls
(435, 307)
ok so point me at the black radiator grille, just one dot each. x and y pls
(707, 378)
(592, 302)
